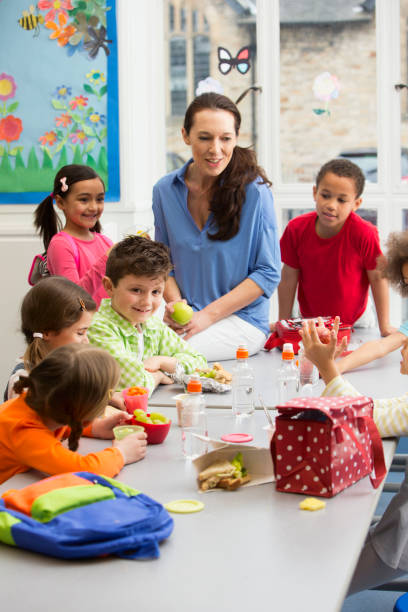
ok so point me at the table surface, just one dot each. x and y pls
(266, 365)
(251, 547)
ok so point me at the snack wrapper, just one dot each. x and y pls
(207, 384)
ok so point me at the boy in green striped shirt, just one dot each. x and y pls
(146, 349)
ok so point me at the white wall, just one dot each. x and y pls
(142, 155)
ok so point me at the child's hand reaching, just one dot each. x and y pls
(133, 447)
(103, 428)
(160, 362)
(319, 353)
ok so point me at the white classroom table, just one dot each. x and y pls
(249, 549)
(374, 379)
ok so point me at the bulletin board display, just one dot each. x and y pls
(58, 94)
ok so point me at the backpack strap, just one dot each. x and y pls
(74, 247)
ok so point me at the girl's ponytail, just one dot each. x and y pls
(76, 433)
(36, 350)
(46, 220)
(22, 383)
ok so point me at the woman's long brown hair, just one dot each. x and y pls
(229, 191)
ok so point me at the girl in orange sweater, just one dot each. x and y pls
(67, 389)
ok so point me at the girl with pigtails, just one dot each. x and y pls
(59, 399)
(77, 250)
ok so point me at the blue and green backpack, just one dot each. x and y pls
(78, 515)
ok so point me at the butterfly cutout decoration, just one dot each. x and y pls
(227, 62)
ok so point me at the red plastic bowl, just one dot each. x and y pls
(156, 432)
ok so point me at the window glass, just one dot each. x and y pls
(201, 47)
(178, 76)
(402, 89)
(171, 17)
(327, 86)
(194, 32)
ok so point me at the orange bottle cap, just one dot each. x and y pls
(194, 386)
(288, 352)
(242, 353)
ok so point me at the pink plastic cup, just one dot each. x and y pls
(135, 402)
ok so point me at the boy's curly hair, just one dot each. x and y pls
(396, 256)
(345, 168)
(139, 256)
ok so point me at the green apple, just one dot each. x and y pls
(182, 313)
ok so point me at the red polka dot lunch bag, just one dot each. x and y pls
(322, 445)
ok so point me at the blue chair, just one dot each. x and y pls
(401, 605)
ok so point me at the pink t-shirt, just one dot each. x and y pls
(332, 271)
(62, 261)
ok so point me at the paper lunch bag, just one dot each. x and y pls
(322, 445)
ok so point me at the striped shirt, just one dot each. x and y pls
(390, 415)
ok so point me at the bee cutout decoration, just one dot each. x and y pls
(227, 62)
(31, 21)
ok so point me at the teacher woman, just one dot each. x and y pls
(217, 217)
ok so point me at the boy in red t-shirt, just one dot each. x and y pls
(330, 255)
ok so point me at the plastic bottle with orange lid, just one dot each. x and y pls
(288, 375)
(243, 384)
(193, 417)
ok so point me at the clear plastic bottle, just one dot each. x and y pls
(308, 373)
(243, 384)
(194, 420)
(288, 375)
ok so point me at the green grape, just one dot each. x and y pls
(160, 418)
(140, 415)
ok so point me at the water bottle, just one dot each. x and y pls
(242, 384)
(193, 420)
(288, 375)
(308, 373)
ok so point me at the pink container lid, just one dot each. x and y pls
(237, 438)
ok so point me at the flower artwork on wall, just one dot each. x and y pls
(326, 87)
(58, 94)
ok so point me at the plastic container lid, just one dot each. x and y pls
(287, 351)
(237, 438)
(194, 384)
(242, 352)
(184, 506)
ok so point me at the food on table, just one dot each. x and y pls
(182, 313)
(312, 504)
(136, 391)
(217, 372)
(121, 431)
(155, 418)
(224, 475)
